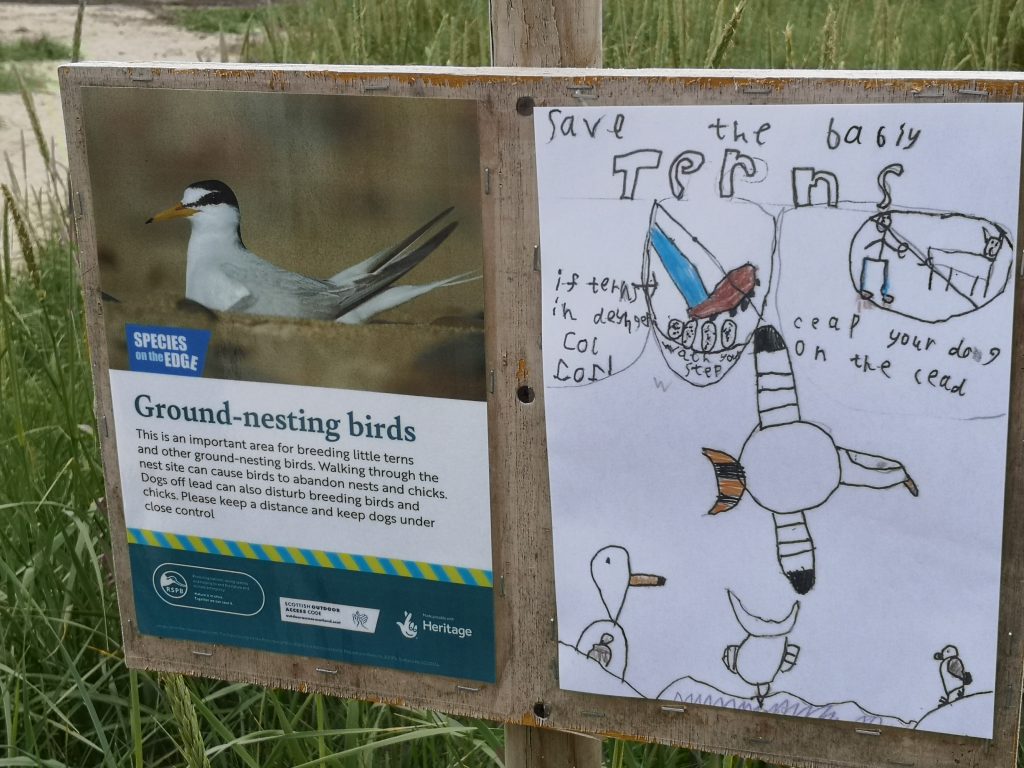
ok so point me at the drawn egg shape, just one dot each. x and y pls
(708, 336)
(727, 336)
(707, 262)
(930, 266)
(689, 333)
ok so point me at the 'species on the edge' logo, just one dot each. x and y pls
(158, 349)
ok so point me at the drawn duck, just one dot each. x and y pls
(955, 678)
(765, 652)
(790, 466)
(604, 640)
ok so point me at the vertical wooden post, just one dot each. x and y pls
(547, 33)
(527, 747)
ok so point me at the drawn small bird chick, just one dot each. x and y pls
(955, 678)
(223, 275)
(765, 652)
(601, 651)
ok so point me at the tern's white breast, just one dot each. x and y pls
(759, 658)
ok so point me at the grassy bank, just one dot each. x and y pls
(853, 34)
(24, 53)
(66, 696)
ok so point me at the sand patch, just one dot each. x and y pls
(110, 33)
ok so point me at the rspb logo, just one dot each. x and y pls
(173, 584)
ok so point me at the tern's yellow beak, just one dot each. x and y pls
(177, 212)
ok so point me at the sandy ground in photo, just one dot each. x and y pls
(110, 33)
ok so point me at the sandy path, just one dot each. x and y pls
(110, 33)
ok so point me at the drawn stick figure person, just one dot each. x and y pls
(878, 252)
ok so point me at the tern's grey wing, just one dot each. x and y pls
(380, 258)
(243, 304)
(276, 291)
(365, 286)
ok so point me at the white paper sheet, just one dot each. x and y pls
(867, 251)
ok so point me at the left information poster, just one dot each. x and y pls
(294, 319)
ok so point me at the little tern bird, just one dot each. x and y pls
(222, 274)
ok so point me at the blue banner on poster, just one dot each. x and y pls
(359, 609)
(156, 349)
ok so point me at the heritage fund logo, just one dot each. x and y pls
(440, 625)
(408, 627)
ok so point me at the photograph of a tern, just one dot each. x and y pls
(223, 275)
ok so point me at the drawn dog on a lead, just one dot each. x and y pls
(604, 641)
(955, 677)
(765, 652)
(930, 266)
(790, 466)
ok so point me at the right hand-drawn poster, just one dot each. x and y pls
(777, 346)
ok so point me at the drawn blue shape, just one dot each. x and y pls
(679, 268)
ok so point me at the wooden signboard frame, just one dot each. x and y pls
(527, 691)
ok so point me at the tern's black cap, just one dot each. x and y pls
(217, 192)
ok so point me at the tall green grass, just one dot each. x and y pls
(850, 34)
(441, 32)
(39, 48)
(26, 51)
(844, 34)
(66, 697)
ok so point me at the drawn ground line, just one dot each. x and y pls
(790, 694)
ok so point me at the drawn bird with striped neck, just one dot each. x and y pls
(223, 275)
(790, 466)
